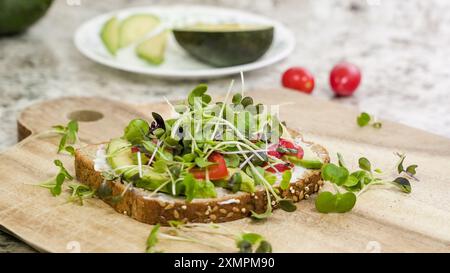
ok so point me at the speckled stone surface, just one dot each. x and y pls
(401, 46)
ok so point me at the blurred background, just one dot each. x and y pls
(401, 47)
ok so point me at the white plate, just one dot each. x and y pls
(178, 64)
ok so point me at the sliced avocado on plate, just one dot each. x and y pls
(135, 27)
(153, 49)
(223, 45)
(110, 35)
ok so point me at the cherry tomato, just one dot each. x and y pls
(215, 172)
(345, 78)
(298, 78)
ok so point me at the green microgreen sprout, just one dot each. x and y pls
(365, 119)
(55, 184)
(207, 235)
(410, 170)
(69, 136)
(355, 182)
(80, 192)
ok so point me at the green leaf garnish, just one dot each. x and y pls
(335, 174)
(55, 184)
(377, 125)
(364, 164)
(235, 182)
(313, 164)
(363, 119)
(247, 241)
(264, 247)
(340, 160)
(287, 205)
(152, 239)
(69, 135)
(286, 179)
(264, 215)
(80, 192)
(403, 184)
(411, 169)
(328, 202)
(136, 131)
(236, 98)
(197, 188)
(345, 202)
(202, 163)
(358, 181)
(197, 94)
(252, 238)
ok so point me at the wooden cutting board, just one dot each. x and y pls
(383, 220)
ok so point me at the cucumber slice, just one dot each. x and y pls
(135, 27)
(119, 154)
(153, 49)
(110, 35)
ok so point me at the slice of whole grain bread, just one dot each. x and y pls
(160, 208)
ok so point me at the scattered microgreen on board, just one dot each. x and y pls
(245, 242)
(69, 136)
(365, 119)
(356, 182)
(55, 184)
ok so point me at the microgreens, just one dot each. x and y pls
(410, 170)
(69, 135)
(55, 184)
(244, 242)
(358, 181)
(80, 192)
(237, 129)
(364, 119)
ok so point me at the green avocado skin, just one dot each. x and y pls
(17, 15)
(222, 49)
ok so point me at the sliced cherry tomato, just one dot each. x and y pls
(134, 149)
(272, 151)
(286, 144)
(345, 78)
(215, 172)
(298, 78)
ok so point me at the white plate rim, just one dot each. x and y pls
(186, 74)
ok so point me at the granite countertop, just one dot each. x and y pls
(402, 48)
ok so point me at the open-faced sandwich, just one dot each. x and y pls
(211, 162)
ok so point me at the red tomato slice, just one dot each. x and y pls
(215, 172)
(287, 145)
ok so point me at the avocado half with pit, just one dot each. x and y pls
(223, 45)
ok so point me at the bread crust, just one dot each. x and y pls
(137, 204)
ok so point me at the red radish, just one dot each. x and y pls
(279, 167)
(345, 78)
(298, 78)
(286, 144)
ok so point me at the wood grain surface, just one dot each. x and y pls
(384, 219)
